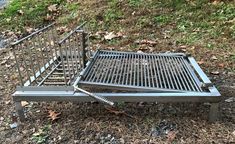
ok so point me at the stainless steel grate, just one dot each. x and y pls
(138, 71)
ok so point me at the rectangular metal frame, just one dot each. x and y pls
(27, 92)
(67, 93)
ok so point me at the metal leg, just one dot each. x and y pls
(214, 112)
(20, 111)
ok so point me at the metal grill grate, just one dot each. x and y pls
(162, 72)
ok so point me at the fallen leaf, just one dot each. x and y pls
(62, 29)
(221, 65)
(13, 125)
(53, 115)
(3, 62)
(215, 72)
(52, 43)
(148, 42)
(231, 99)
(233, 133)
(24, 103)
(48, 17)
(29, 29)
(215, 2)
(110, 36)
(7, 102)
(201, 62)
(214, 58)
(40, 131)
(116, 112)
(171, 136)
(52, 8)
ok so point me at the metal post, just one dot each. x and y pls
(83, 41)
(20, 111)
(214, 112)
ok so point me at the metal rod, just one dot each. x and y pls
(50, 40)
(83, 44)
(93, 76)
(75, 30)
(40, 46)
(170, 82)
(41, 82)
(181, 74)
(191, 80)
(76, 52)
(37, 59)
(34, 33)
(27, 45)
(99, 98)
(26, 65)
(116, 69)
(62, 59)
(106, 68)
(173, 72)
(54, 35)
(45, 46)
(67, 59)
(185, 75)
(71, 56)
(17, 65)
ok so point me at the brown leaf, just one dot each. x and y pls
(7, 102)
(62, 29)
(110, 36)
(221, 65)
(3, 62)
(201, 62)
(116, 112)
(24, 103)
(29, 29)
(214, 58)
(171, 136)
(148, 42)
(215, 72)
(53, 115)
(52, 8)
(48, 17)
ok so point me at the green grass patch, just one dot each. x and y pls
(113, 13)
(34, 13)
(162, 19)
(135, 3)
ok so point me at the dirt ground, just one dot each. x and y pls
(93, 123)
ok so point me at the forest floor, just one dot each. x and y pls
(205, 29)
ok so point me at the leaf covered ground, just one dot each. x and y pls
(205, 29)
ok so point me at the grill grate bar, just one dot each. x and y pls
(185, 75)
(173, 72)
(134, 70)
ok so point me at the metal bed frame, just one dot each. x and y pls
(51, 69)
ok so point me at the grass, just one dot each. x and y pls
(34, 13)
(194, 23)
(42, 135)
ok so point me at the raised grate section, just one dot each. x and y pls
(161, 72)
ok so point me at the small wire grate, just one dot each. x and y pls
(141, 71)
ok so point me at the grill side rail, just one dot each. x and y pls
(41, 54)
